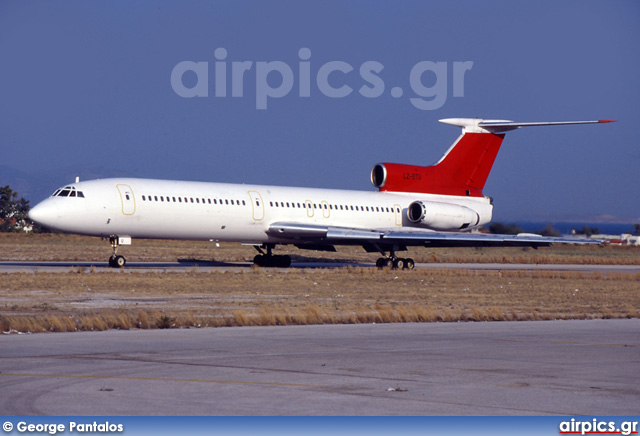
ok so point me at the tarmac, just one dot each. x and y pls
(495, 368)
(187, 265)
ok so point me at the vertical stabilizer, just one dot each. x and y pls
(463, 170)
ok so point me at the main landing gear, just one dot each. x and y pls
(116, 261)
(269, 259)
(394, 262)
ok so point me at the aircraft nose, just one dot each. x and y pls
(44, 213)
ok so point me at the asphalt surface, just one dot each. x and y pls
(499, 368)
(12, 267)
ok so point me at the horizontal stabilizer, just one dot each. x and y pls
(477, 125)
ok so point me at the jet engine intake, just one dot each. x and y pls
(442, 216)
(398, 177)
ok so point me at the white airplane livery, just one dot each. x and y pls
(432, 206)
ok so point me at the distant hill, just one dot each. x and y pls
(39, 185)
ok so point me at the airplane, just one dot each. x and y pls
(432, 206)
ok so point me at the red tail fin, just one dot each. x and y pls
(462, 171)
(464, 168)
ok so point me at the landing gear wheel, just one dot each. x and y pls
(117, 261)
(383, 262)
(282, 261)
(409, 264)
(268, 259)
(259, 260)
(395, 263)
(399, 263)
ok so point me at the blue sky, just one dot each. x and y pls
(88, 85)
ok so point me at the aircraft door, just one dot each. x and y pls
(325, 209)
(398, 212)
(127, 199)
(257, 206)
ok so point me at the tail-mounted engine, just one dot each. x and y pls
(414, 178)
(398, 177)
(442, 216)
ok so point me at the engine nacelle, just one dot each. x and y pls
(413, 178)
(442, 216)
(398, 177)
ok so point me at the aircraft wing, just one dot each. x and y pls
(301, 234)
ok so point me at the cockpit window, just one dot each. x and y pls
(68, 191)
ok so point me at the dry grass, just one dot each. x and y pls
(90, 299)
(114, 299)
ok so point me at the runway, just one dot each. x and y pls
(498, 368)
(188, 265)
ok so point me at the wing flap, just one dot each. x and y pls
(330, 235)
(451, 239)
(299, 231)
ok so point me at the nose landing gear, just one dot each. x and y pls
(116, 261)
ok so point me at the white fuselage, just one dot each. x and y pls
(145, 208)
